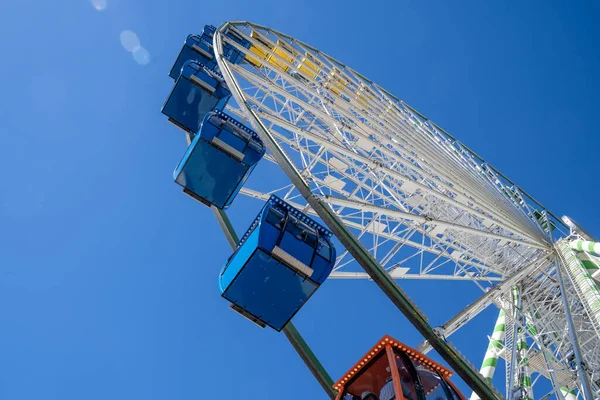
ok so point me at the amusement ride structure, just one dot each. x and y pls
(400, 198)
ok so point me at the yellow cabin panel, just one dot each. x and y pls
(283, 54)
(260, 38)
(309, 68)
(366, 93)
(309, 64)
(362, 96)
(362, 102)
(308, 71)
(287, 47)
(340, 86)
(334, 90)
(336, 87)
(310, 58)
(261, 55)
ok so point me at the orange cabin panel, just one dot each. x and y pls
(390, 370)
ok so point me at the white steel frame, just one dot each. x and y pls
(424, 205)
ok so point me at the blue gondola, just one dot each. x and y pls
(196, 48)
(200, 48)
(208, 32)
(197, 91)
(280, 262)
(231, 53)
(219, 160)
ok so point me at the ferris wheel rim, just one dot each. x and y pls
(251, 112)
(256, 119)
(389, 94)
(341, 65)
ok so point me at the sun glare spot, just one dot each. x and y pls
(130, 41)
(99, 4)
(141, 56)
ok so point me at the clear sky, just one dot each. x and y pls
(108, 273)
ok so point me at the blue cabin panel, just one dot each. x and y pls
(196, 48)
(300, 237)
(196, 92)
(232, 54)
(237, 263)
(215, 165)
(299, 241)
(281, 296)
(208, 33)
(206, 173)
(322, 263)
(199, 48)
(280, 262)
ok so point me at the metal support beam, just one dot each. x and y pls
(290, 331)
(516, 320)
(401, 215)
(531, 316)
(466, 371)
(309, 359)
(431, 277)
(473, 309)
(581, 372)
(431, 250)
(225, 224)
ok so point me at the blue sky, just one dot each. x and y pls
(108, 272)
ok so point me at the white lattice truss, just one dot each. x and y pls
(425, 205)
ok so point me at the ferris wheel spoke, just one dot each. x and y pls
(246, 76)
(420, 202)
(456, 150)
(424, 219)
(346, 154)
(330, 148)
(290, 126)
(279, 58)
(280, 93)
(404, 276)
(435, 249)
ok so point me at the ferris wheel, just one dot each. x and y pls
(407, 200)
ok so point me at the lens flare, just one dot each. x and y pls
(130, 41)
(99, 4)
(141, 56)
